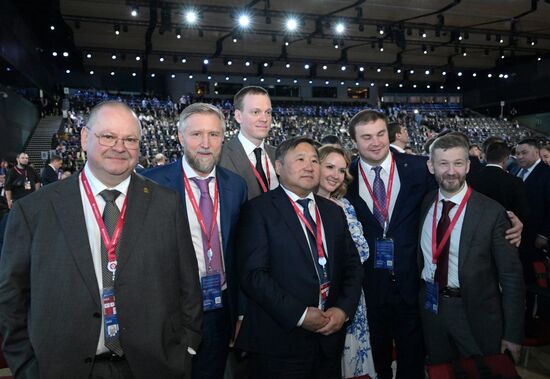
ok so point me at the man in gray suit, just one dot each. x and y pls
(98, 275)
(247, 154)
(472, 297)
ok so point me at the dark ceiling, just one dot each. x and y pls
(459, 35)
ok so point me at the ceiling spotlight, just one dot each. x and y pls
(244, 79)
(310, 82)
(427, 72)
(134, 74)
(183, 60)
(341, 83)
(52, 27)
(411, 72)
(361, 68)
(65, 54)
(306, 66)
(291, 24)
(424, 49)
(112, 73)
(173, 76)
(414, 85)
(235, 40)
(380, 30)
(295, 81)
(387, 84)
(343, 68)
(422, 33)
(327, 82)
(134, 11)
(378, 69)
(161, 59)
(474, 74)
(381, 45)
(247, 63)
(459, 73)
(209, 77)
(489, 75)
(458, 88)
(138, 58)
(190, 76)
(464, 53)
(505, 76)
(178, 33)
(227, 78)
(372, 84)
(153, 75)
(113, 57)
(54, 53)
(356, 83)
(91, 72)
(67, 71)
(340, 28)
(441, 87)
(278, 80)
(262, 80)
(500, 76)
(229, 62)
(400, 85)
(191, 17)
(287, 65)
(325, 67)
(266, 64)
(244, 21)
(117, 29)
(88, 55)
(428, 86)
(539, 59)
(444, 73)
(205, 61)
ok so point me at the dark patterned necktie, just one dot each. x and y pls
(110, 219)
(442, 271)
(380, 195)
(304, 203)
(259, 166)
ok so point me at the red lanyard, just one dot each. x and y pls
(259, 178)
(110, 243)
(436, 250)
(385, 211)
(318, 235)
(198, 212)
(21, 172)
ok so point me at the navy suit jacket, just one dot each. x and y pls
(416, 182)
(277, 272)
(233, 194)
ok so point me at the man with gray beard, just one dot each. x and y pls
(212, 197)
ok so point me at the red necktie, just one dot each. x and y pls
(443, 261)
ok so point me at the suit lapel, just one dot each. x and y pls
(67, 204)
(240, 160)
(226, 204)
(139, 198)
(361, 207)
(469, 227)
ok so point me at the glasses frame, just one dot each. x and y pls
(112, 143)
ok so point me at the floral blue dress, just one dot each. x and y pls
(357, 356)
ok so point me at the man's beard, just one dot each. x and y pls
(203, 165)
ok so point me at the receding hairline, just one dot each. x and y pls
(110, 105)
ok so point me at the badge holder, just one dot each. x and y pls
(383, 252)
(211, 285)
(111, 326)
(325, 284)
(431, 301)
(27, 185)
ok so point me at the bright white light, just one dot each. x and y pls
(340, 28)
(287, 43)
(387, 84)
(459, 73)
(306, 66)
(88, 55)
(381, 49)
(278, 80)
(501, 41)
(183, 60)
(399, 71)
(428, 86)
(247, 63)
(372, 84)
(489, 75)
(191, 17)
(262, 80)
(414, 85)
(411, 72)
(474, 74)
(65, 54)
(310, 82)
(427, 72)
(134, 74)
(441, 87)
(190, 76)
(134, 12)
(68, 71)
(91, 72)
(343, 68)
(227, 78)
(287, 65)
(113, 56)
(229, 63)
(325, 67)
(361, 68)
(138, 58)
(502, 56)
(539, 59)
(54, 53)
(295, 81)
(117, 32)
(112, 73)
(266, 64)
(173, 76)
(500, 76)
(444, 73)
(209, 77)
(291, 24)
(205, 61)
(244, 79)
(52, 27)
(458, 88)
(424, 35)
(341, 83)
(244, 21)
(161, 59)
(415, 111)
(235, 40)
(400, 85)
(505, 76)
(178, 36)
(356, 83)
(327, 82)
(153, 75)
(378, 70)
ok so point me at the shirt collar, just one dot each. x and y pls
(529, 169)
(248, 145)
(456, 198)
(398, 148)
(190, 172)
(97, 186)
(493, 165)
(386, 165)
(295, 197)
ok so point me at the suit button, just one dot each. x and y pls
(88, 360)
(97, 314)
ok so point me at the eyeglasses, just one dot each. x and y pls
(109, 140)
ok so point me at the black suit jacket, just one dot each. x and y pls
(537, 186)
(490, 273)
(416, 181)
(49, 175)
(50, 307)
(502, 187)
(277, 272)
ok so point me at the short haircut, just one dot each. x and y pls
(464, 136)
(330, 139)
(488, 141)
(249, 90)
(449, 141)
(92, 119)
(290, 144)
(21, 153)
(200, 108)
(529, 141)
(393, 129)
(325, 151)
(365, 116)
(55, 158)
(497, 152)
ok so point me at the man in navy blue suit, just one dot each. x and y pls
(387, 192)
(300, 269)
(212, 197)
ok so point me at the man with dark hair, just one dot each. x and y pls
(473, 292)
(386, 193)
(51, 173)
(398, 136)
(331, 139)
(21, 180)
(536, 179)
(212, 197)
(247, 154)
(494, 182)
(300, 269)
(98, 278)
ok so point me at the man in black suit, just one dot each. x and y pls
(98, 276)
(300, 269)
(536, 178)
(399, 137)
(50, 173)
(473, 290)
(493, 181)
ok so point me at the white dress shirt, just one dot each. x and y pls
(311, 208)
(398, 148)
(194, 226)
(249, 150)
(385, 176)
(529, 170)
(94, 235)
(426, 239)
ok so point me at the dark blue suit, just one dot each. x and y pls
(277, 272)
(392, 298)
(233, 194)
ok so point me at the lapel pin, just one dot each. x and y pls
(406, 164)
(145, 190)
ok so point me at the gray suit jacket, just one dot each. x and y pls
(486, 261)
(234, 159)
(50, 307)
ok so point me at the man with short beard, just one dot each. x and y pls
(472, 292)
(212, 197)
(21, 180)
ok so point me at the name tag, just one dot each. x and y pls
(110, 324)
(324, 288)
(383, 253)
(211, 291)
(431, 301)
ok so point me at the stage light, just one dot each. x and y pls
(117, 29)
(190, 76)
(67, 71)
(361, 68)
(161, 59)
(244, 79)
(112, 73)
(191, 17)
(227, 78)
(387, 84)
(340, 28)
(287, 65)
(266, 64)
(400, 85)
(414, 85)
(247, 63)
(183, 60)
(427, 72)
(411, 72)
(295, 81)
(327, 82)
(306, 66)
(205, 61)
(458, 88)
(91, 72)
(244, 21)
(459, 73)
(173, 76)
(372, 84)
(134, 74)
(291, 24)
(113, 57)
(209, 77)
(489, 75)
(343, 68)
(89, 56)
(278, 80)
(153, 75)
(65, 54)
(378, 69)
(134, 11)
(52, 27)
(54, 53)
(138, 58)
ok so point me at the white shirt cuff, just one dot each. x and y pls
(301, 321)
